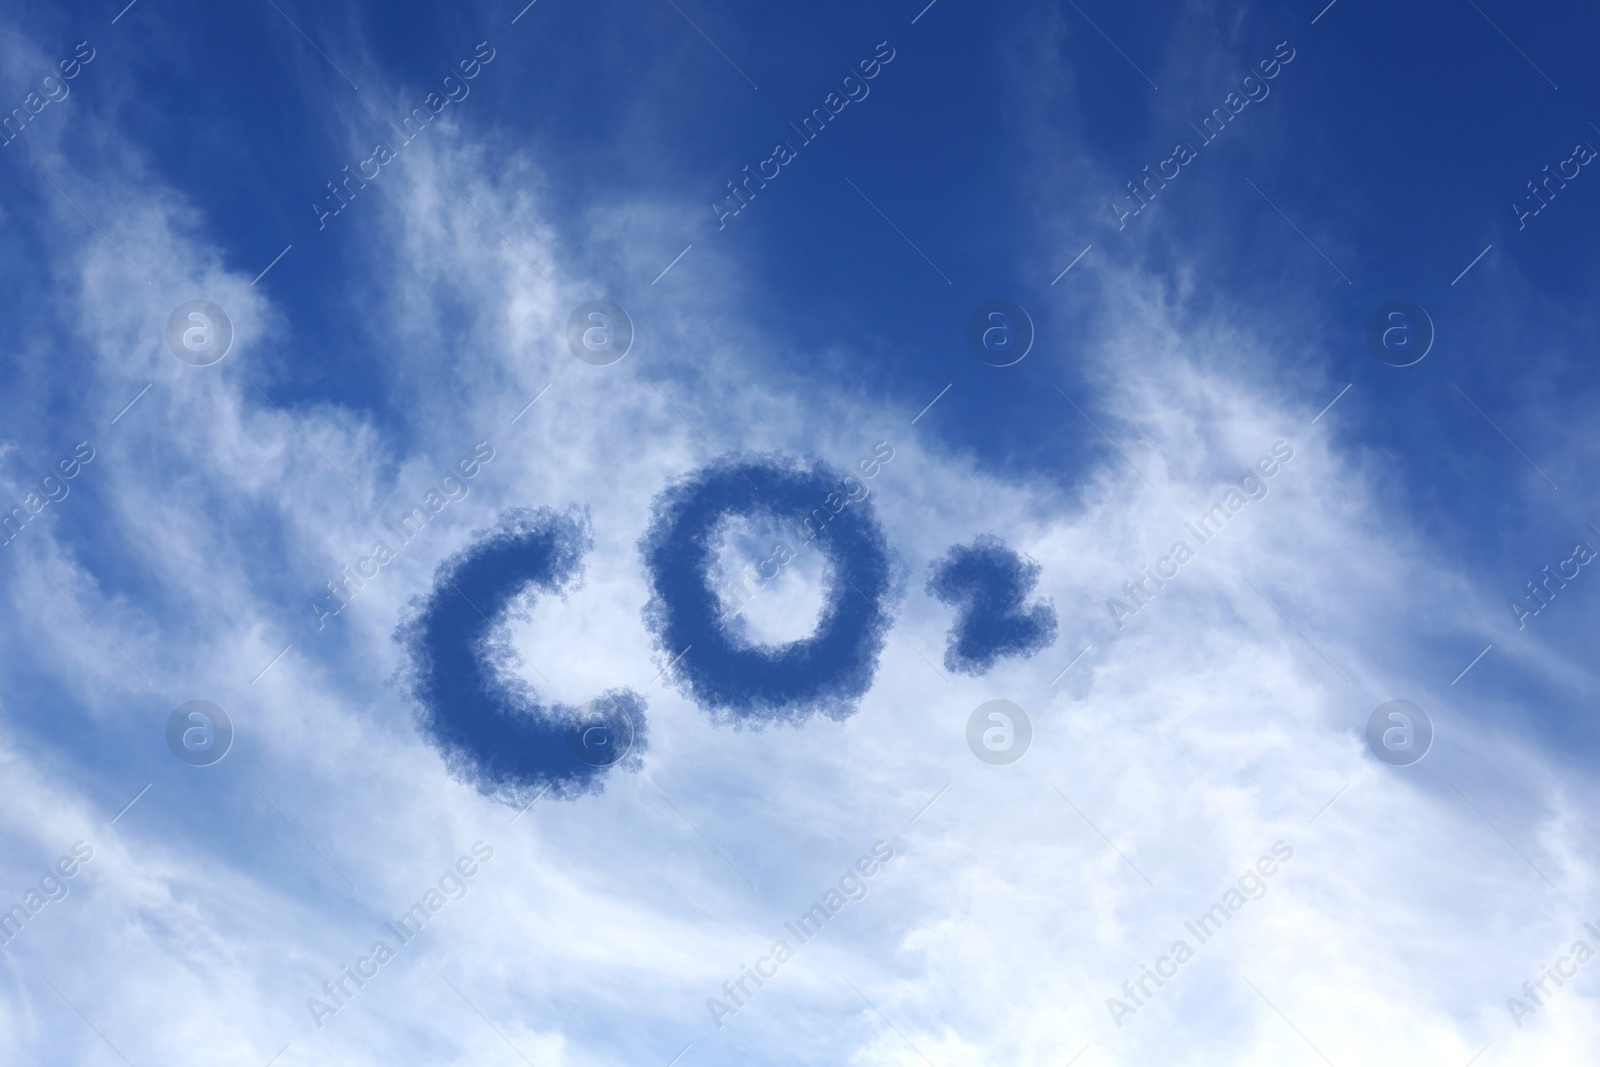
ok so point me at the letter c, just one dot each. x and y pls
(769, 974)
(1562, 567)
(1166, 973)
(1561, 168)
(364, 574)
(1566, 974)
(776, 168)
(362, 973)
(1175, 170)
(1164, 574)
(363, 163)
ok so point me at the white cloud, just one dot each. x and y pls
(1193, 738)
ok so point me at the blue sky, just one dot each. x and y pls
(1372, 154)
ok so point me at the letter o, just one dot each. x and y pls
(827, 672)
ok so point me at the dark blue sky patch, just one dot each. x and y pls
(475, 707)
(826, 673)
(987, 583)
